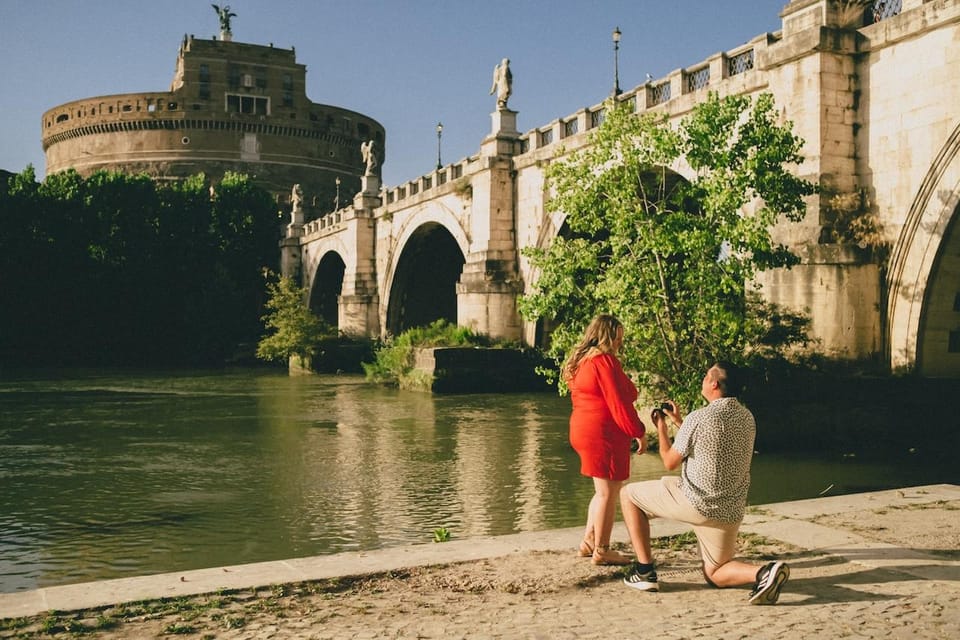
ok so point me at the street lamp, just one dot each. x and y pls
(439, 133)
(616, 62)
(336, 202)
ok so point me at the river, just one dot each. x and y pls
(107, 474)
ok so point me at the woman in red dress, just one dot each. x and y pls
(602, 425)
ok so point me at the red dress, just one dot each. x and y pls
(603, 420)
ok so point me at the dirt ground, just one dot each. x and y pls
(558, 595)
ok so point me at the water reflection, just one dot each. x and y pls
(114, 475)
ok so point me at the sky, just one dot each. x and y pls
(408, 64)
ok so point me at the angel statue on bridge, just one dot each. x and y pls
(502, 83)
(369, 154)
(224, 14)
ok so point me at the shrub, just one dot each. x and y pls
(394, 359)
(294, 329)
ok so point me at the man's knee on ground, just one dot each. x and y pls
(707, 576)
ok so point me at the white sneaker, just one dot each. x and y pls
(770, 580)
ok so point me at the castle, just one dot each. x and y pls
(231, 107)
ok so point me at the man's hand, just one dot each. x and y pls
(658, 417)
(673, 411)
(671, 459)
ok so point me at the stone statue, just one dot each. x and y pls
(224, 14)
(296, 197)
(296, 209)
(369, 157)
(502, 83)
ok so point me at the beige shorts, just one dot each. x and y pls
(663, 498)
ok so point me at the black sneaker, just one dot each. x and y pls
(642, 579)
(770, 580)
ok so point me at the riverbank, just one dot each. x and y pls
(882, 564)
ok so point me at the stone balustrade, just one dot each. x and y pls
(653, 94)
(722, 72)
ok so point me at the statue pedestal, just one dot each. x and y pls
(296, 216)
(294, 230)
(504, 122)
(502, 140)
(369, 185)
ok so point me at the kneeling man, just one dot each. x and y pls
(713, 449)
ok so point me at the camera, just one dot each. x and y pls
(664, 406)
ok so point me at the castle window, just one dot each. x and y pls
(248, 104)
(287, 82)
(171, 106)
(287, 99)
(953, 342)
(261, 78)
(63, 117)
(204, 73)
(204, 91)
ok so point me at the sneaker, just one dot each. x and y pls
(770, 580)
(642, 579)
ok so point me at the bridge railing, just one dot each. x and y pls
(657, 93)
(733, 70)
(328, 221)
(435, 179)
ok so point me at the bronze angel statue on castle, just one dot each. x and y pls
(224, 14)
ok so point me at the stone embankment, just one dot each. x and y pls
(872, 565)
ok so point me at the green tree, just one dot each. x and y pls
(116, 269)
(245, 231)
(671, 256)
(293, 329)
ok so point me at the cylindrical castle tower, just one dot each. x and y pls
(231, 107)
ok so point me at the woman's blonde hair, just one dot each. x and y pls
(600, 336)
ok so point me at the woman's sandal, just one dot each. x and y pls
(586, 549)
(602, 555)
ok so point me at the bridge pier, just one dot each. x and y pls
(490, 282)
(358, 315)
(487, 298)
(359, 303)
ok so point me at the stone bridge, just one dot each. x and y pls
(873, 91)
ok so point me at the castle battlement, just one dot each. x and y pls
(232, 106)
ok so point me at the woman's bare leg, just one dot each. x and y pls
(603, 510)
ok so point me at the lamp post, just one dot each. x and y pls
(336, 202)
(439, 133)
(616, 62)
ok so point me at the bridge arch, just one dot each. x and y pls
(433, 225)
(919, 288)
(422, 285)
(326, 288)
